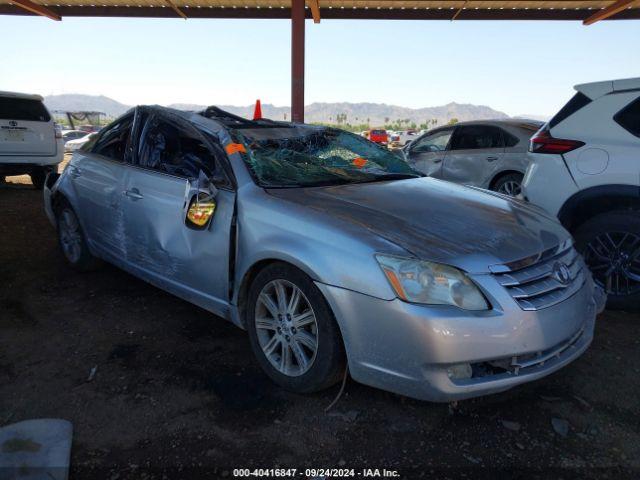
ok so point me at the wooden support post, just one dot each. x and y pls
(297, 60)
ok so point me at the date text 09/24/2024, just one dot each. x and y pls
(316, 472)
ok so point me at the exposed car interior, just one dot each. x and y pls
(168, 148)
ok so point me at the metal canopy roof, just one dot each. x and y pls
(589, 10)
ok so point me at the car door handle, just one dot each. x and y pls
(75, 172)
(133, 194)
(491, 159)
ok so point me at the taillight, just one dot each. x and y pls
(57, 130)
(543, 142)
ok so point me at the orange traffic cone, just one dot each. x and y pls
(257, 112)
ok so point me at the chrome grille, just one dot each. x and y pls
(546, 282)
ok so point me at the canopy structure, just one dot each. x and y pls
(587, 11)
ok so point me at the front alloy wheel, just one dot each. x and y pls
(610, 245)
(286, 327)
(292, 330)
(614, 260)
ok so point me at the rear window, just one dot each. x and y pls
(23, 109)
(378, 132)
(509, 140)
(578, 101)
(629, 117)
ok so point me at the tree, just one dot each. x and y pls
(453, 121)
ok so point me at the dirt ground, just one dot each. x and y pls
(177, 394)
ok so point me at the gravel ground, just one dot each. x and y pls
(176, 392)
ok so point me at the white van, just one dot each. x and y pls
(30, 143)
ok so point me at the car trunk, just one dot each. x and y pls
(25, 128)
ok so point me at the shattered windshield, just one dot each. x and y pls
(311, 156)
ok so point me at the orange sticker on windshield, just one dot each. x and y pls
(359, 162)
(235, 148)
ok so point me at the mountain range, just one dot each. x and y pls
(354, 113)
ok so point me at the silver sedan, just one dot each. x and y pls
(489, 154)
(333, 253)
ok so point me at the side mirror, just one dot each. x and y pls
(200, 211)
(201, 194)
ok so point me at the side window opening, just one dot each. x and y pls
(578, 101)
(172, 148)
(509, 140)
(629, 117)
(434, 142)
(113, 142)
(475, 137)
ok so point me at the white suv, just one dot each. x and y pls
(585, 169)
(30, 142)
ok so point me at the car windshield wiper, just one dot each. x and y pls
(319, 183)
(393, 176)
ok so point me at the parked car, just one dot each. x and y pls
(89, 128)
(378, 135)
(406, 137)
(329, 250)
(30, 142)
(485, 154)
(585, 169)
(73, 145)
(68, 135)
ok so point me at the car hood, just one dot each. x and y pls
(438, 221)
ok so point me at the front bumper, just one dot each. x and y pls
(409, 349)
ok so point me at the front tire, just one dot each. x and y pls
(292, 331)
(610, 244)
(72, 240)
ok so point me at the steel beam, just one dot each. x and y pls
(175, 8)
(297, 60)
(314, 5)
(615, 7)
(36, 8)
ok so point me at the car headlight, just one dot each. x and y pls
(418, 281)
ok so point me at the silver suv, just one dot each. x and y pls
(331, 251)
(585, 170)
(489, 154)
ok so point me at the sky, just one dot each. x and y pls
(515, 67)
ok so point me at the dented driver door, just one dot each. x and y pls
(160, 245)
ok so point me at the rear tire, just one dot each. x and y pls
(610, 244)
(509, 184)
(297, 343)
(72, 240)
(38, 176)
